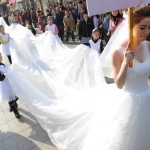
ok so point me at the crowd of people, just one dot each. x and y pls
(69, 19)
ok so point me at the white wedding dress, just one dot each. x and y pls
(65, 90)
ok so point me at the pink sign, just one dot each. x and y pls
(103, 6)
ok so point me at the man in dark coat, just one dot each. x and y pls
(86, 26)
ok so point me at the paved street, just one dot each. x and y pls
(22, 134)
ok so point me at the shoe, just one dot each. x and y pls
(13, 105)
(17, 116)
(10, 109)
(10, 106)
(16, 112)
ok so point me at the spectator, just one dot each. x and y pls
(86, 26)
(101, 29)
(57, 19)
(48, 13)
(96, 20)
(18, 16)
(31, 28)
(6, 19)
(96, 43)
(69, 24)
(72, 11)
(106, 27)
(115, 19)
(41, 21)
(28, 16)
(81, 9)
(34, 17)
(23, 16)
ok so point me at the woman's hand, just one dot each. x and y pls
(128, 54)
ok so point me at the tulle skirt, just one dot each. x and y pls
(4, 49)
(125, 128)
(6, 92)
(101, 118)
(65, 90)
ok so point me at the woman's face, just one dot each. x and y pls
(142, 29)
(115, 13)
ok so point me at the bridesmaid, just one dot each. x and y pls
(6, 92)
(4, 40)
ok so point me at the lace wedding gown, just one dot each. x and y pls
(65, 90)
(129, 129)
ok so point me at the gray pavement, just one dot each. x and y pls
(22, 134)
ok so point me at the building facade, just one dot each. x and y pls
(12, 5)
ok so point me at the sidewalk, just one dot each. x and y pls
(22, 134)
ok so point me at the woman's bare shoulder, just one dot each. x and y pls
(148, 43)
(117, 55)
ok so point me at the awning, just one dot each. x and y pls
(103, 6)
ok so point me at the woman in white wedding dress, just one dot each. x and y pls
(65, 89)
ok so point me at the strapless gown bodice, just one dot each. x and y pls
(137, 77)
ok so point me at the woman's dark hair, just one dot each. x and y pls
(140, 12)
(117, 18)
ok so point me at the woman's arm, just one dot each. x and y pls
(120, 66)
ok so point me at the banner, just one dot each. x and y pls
(103, 6)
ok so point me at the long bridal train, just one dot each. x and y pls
(65, 90)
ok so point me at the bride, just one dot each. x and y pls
(65, 88)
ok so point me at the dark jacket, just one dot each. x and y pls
(57, 20)
(85, 28)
